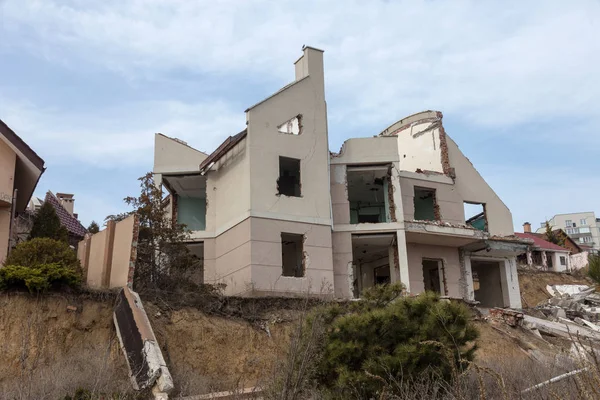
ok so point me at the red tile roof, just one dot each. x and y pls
(540, 243)
(67, 220)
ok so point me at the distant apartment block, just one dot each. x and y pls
(582, 227)
(273, 212)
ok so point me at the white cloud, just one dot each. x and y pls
(493, 63)
(124, 135)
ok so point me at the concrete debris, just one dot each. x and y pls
(510, 317)
(566, 289)
(573, 302)
(71, 308)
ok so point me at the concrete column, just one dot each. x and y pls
(466, 287)
(529, 258)
(399, 255)
(544, 260)
(108, 253)
(510, 283)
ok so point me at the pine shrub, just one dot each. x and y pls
(386, 337)
(594, 268)
(42, 251)
(41, 264)
(39, 278)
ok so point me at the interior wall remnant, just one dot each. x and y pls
(487, 283)
(426, 207)
(289, 183)
(292, 254)
(191, 211)
(292, 126)
(391, 207)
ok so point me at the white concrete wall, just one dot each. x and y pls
(307, 98)
(556, 265)
(578, 261)
(171, 156)
(448, 255)
(473, 188)
(228, 191)
(419, 148)
(267, 265)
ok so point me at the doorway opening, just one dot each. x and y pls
(372, 256)
(433, 276)
(487, 283)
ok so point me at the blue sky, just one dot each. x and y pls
(87, 84)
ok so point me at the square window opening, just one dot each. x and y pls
(426, 207)
(292, 254)
(288, 183)
(475, 215)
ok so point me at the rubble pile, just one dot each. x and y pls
(573, 302)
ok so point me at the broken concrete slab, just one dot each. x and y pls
(562, 329)
(147, 367)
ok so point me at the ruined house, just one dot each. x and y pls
(273, 212)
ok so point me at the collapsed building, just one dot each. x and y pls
(273, 212)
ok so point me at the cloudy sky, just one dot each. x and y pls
(87, 84)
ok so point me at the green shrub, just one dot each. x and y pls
(386, 337)
(41, 264)
(594, 268)
(41, 251)
(38, 278)
(47, 224)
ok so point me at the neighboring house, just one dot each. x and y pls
(545, 255)
(20, 171)
(582, 227)
(273, 212)
(63, 204)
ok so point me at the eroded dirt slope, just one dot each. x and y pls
(533, 285)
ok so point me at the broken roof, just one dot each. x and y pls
(66, 219)
(540, 243)
(227, 145)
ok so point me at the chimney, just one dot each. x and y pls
(67, 201)
(527, 227)
(310, 64)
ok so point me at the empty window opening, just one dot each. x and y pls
(433, 276)
(426, 208)
(368, 194)
(487, 283)
(563, 260)
(292, 126)
(189, 200)
(372, 255)
(288, 183)
(292, 254)
(475, 215)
